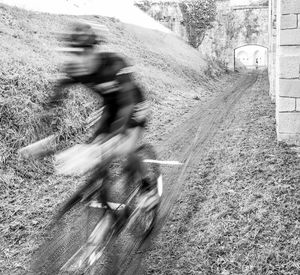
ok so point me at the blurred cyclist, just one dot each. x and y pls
(123, 119)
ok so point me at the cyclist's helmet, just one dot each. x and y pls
(82, 36)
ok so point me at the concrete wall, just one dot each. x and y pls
(272, 49)
(287, 75)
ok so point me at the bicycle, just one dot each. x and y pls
(86, 217)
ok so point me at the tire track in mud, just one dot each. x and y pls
(208, 124)
(188, 143)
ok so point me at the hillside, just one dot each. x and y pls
(171, 72)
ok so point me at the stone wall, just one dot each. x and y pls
(288, 70)
(235, 27)
(167, 13)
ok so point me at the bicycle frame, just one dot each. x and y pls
(103, 233)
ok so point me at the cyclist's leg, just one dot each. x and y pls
(122, 145)
(111, 149)
(100, 173)
(116, 146)
(133, 167)
(150, 177)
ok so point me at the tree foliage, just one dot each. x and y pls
(144, 5)
(198, 16)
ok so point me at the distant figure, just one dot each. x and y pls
(256, 63)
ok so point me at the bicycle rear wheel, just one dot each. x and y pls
(142, 222)
(138, 232)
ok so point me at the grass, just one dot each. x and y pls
(170, 71)
(239, 210)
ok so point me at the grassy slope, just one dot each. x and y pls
(167, 68)
(239, 211)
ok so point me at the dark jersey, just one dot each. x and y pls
(112, 80)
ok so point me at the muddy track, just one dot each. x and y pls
(188, 143)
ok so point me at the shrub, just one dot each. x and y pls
(198, 16)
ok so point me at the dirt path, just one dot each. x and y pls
(188, 143)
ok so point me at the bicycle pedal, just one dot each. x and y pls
(96, 204)
(95, 256)
(112, 205)
(149, 200)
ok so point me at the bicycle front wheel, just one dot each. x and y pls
(64, 238)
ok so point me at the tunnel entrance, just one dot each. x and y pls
(250, 57)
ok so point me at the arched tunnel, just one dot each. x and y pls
(250, 57)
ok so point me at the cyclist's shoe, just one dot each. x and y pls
(149, 199)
